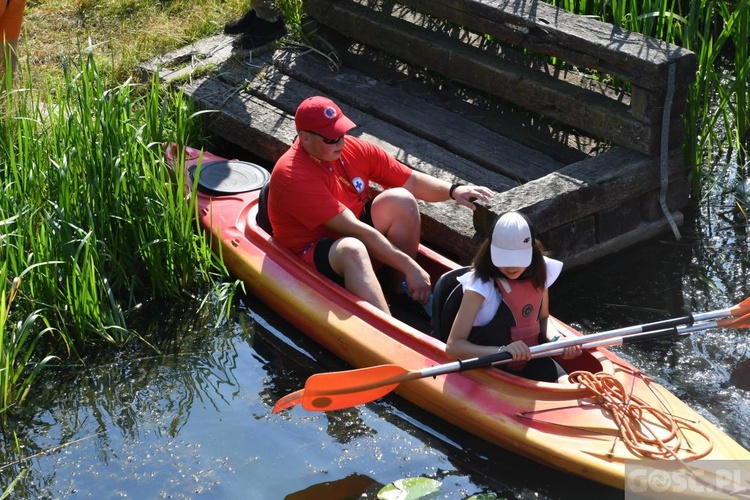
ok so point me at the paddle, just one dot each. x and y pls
(732, 323)
(337, 390)
(739, 310)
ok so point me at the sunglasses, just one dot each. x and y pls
(326, 139)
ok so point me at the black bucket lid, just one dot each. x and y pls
(230, 177)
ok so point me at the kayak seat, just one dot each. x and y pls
(262, 217)
(446, 299)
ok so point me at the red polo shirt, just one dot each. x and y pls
(305, 192)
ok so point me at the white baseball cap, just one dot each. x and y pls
(512, 241)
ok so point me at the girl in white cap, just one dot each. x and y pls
(505, 302)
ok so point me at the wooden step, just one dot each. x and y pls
(582, 210)
(537, 88)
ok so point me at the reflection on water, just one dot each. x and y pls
(348, 487)
(106, 407)
(194, 419)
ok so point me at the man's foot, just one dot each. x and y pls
(241, 24)
(261, 33)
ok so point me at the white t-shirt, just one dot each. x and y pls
(492, 296)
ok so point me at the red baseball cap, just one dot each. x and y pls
(322, 115)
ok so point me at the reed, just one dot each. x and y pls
(717, 114)
(92, 219)
(18, 369)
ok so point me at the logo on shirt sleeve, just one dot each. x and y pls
(358, 184)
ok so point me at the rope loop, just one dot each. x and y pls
(635, 419)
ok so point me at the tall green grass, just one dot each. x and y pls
(718, 112)
(91, 218)
(17, 348)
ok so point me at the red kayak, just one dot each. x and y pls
(562, 425)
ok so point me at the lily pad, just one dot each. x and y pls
(412, 488)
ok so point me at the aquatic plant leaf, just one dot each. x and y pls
(412, 488)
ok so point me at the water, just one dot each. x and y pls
(194, 421)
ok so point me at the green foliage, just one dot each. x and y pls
(412, 488)
(93, 220)
(304, 33)
(6, 494)
(17, 346)
(293, 15)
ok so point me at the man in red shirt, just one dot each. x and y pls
(321, 205)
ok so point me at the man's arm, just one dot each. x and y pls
(427, 188)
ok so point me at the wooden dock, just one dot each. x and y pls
(464, 90)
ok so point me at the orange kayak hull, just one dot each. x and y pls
(555, 424)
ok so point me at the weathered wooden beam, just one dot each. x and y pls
(581, 189)
(525, 87)
(583, 41)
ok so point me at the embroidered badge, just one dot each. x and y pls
(358, 184)
(329, 112)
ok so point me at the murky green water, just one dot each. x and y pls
(195, 421)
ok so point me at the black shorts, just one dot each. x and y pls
(323, 263)
(323, 248)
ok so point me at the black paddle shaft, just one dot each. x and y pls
(650, 335)
(470, 364)
(668, 323)
(650, 331)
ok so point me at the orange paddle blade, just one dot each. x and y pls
(288, 401)
(742, 308)
(337, 390)
(735, 323)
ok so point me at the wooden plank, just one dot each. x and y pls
(562, 143)
(524, 87)
(580, 189)
(649, 104)
(265, 126)
(182, 63)
(448, 130)
(575, 255)
(545, 29)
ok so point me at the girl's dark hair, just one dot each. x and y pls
(536, 272)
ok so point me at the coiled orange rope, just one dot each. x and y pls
(629, 411)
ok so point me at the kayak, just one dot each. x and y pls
(561, 425)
